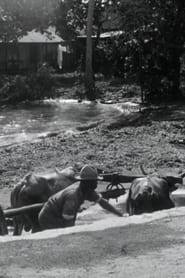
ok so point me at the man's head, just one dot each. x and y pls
(88, 177)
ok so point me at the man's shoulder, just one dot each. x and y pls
(71, 188)
(66, 191)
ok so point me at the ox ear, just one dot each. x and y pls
(77, 166)
(57, 170)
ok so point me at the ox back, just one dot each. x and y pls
(37, 188)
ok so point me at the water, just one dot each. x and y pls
(29, 121)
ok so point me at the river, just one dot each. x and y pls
(28, 122)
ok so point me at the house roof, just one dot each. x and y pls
(111, 34)
(106, 34)
(37, 37)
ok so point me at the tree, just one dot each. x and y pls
(89, 76)
(17, 17)
(76, 17)
(155, 32)
(70, 18)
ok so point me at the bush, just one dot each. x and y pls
(14, 90)
(42, 83)
(28, 88)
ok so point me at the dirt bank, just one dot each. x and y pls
(154, 249)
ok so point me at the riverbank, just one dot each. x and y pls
(153, 137)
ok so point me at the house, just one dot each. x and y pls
(29, 51)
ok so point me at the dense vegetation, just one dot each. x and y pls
(149, 51)
(35, 86)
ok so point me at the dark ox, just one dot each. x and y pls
(37, 188)
(152, 193)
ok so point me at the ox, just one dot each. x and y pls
(152, 193)
(37, 188)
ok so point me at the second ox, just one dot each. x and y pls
(152, 193)
(37, 188)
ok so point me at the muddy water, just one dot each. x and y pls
(97, 219)
(29, 121)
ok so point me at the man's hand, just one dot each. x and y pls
(106, 205)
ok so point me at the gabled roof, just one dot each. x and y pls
(111, 34)
(48, 36)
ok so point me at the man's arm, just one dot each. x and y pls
(93, 196)
(106, 205)
(69, 213)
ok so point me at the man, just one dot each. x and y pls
(61, 209)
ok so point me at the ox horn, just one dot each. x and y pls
(143, 170)
(182, 175)
(27, 176)
(57, 170)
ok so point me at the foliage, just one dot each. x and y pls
(27, 88)
(80, 17)
(19, 16)
(153, 44)
(42, 83)
(150, 49)
(71, 16)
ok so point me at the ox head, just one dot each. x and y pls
(174, 181)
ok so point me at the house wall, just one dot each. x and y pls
(23, 57)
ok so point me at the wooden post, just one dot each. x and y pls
(3, 226)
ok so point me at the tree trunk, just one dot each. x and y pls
(175, 75)
(89, 76)
(178, 49)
